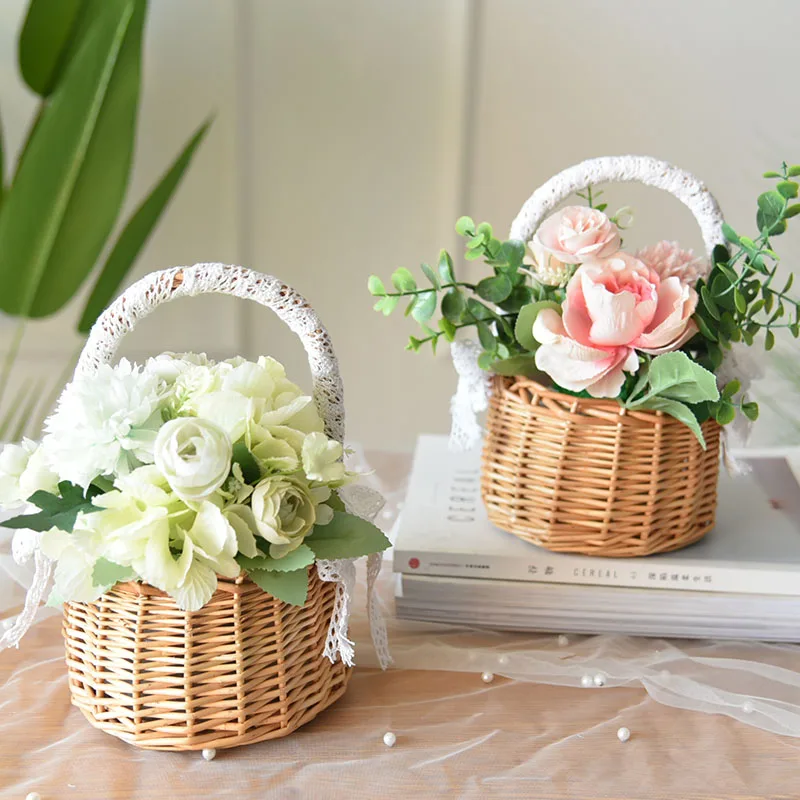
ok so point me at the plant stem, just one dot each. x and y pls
(443, 286)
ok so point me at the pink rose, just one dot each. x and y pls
(613, 307)
(575, 235)
(668, 260)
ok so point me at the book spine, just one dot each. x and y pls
(560, 568)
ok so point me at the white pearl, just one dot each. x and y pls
(563, 641)
(748, 707)
(33, 796)
(586, 681)
(389, 739)
(599, 679)
(209, 753)
(623, 734)
(487, 677)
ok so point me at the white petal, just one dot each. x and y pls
(197, 588)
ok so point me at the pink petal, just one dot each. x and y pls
(617, 317)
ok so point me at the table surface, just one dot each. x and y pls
(456, 737)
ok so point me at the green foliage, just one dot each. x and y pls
(291, 587)
(346, 536)
(523, 329)
(107, 573)
(676, 409)
(247, 462)
(56, 511)
(300, 557)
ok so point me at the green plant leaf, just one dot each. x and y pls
(705, 328)
(494, 289)
(424, 306)
(731, 388)
(448, 329)
(247, 461)
(375, 286)
(56, 512)
(386, 305)
(431, 276)
(770, 210)
(729, 233)
(787, 189)
(769, 340)
(478, 310)
(524, 365)
(523, 329)
(403, 280)
(465, 226)
(446, 268)
(107, 573)
(300, 557)
(290, 587)
(136, 233)
(69, 188)
(724, 413)
(346, 536)
(485, 336)
(750, 410)
(793, 171)
(709, 302)
(678, 410)
(50, 35)
(677, 377)
(453, 306)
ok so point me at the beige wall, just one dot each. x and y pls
(349, 136)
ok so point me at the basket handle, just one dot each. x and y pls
(146, 295)
(621, 169)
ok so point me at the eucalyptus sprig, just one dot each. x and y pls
(739, 300)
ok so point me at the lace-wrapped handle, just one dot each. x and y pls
(621, 169)
(146, 295)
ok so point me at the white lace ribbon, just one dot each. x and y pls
(471, 397)
(364, 502)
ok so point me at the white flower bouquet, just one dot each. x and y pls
(182, 470)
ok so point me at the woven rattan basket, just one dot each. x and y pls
(246, 667)
(588, 476)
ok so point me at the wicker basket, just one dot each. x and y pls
(588, 476)
(246, 667)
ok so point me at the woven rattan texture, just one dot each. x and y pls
(245, 668)
(588, 476)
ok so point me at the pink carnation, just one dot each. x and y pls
(669, 260)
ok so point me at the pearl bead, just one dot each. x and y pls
(209, 753)
(33, 796)
(487, 677)
(389, 739)
(563, 641)
(586, 681)
(623, 734)
(748, 707)
(599, 679)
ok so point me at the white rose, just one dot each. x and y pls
(284, 511)
(194, 455)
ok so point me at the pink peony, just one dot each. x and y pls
(576, 234)
(669, 261)
(613, 307)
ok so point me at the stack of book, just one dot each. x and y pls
(741, 581)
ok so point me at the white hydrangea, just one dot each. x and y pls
(105, 424)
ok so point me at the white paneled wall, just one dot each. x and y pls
(349, 136)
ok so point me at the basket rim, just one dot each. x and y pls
(511, 384)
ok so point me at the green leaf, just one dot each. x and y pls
(678, 410)
(729, 233)
(290, 587)
(677, 377)
(512, 253)
(136, 234)
(520, 297)
(56, 512)
(494, 289)
(715, 356)
(346, 536)
(69, 188)
(750, 410)
(453, 306)
(705, 328)
(709, 302)
(724, 413)
(792, 211)
(403, 280)
(300, 557)
(107, 573)
(769, 342)
(787, 189)
(772, 174)
(739, 301)
(523, 329)
(386, 305)
(424, 306)
(731, 388)
(770, 211)
(524, 365)
(486, 337)
(486, 359)
(48, 39)
(473, 255)
(431, 276)
(247, 461)
(793, 171)
(446, 268)
(478, 310)
(448, 329)
(465, 226)
(375, 286)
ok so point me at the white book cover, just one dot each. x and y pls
(444, 530)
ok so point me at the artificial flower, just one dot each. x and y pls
(105, 424)
(574, 235)
(669, 260)
(23, 471)
(322, 459)
(545, 266)
(613, 307)
(194, 456)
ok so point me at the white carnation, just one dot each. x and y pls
(105, 424)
